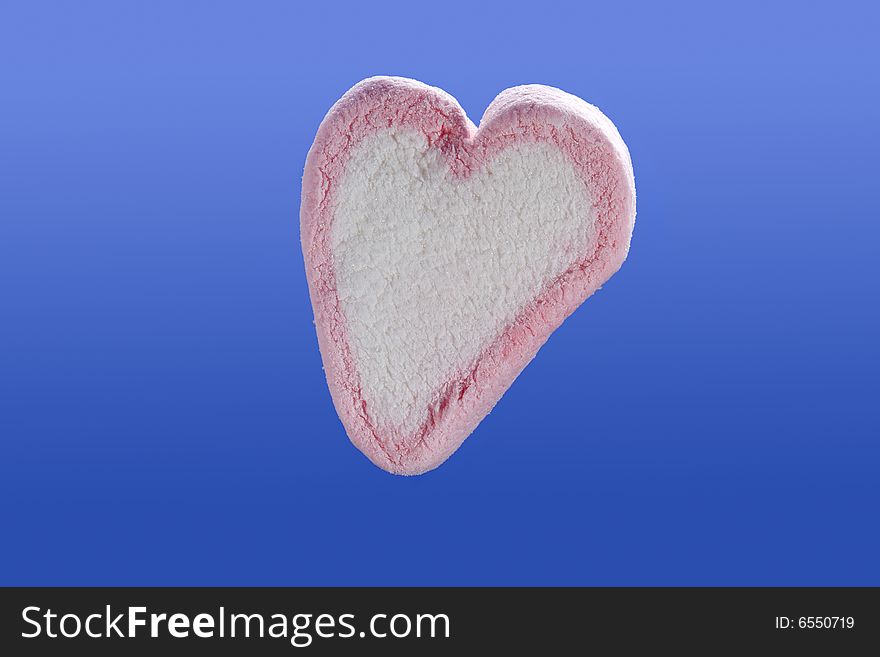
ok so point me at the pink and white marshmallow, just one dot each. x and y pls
(441, 256)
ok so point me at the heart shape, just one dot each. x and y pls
(440, 257)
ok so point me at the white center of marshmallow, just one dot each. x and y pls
(430, 269)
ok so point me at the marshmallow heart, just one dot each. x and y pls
(440, 257)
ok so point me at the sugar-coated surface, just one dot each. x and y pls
(430, 268)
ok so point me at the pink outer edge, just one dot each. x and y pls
(531, 113)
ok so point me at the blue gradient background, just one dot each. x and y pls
(709, 417)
